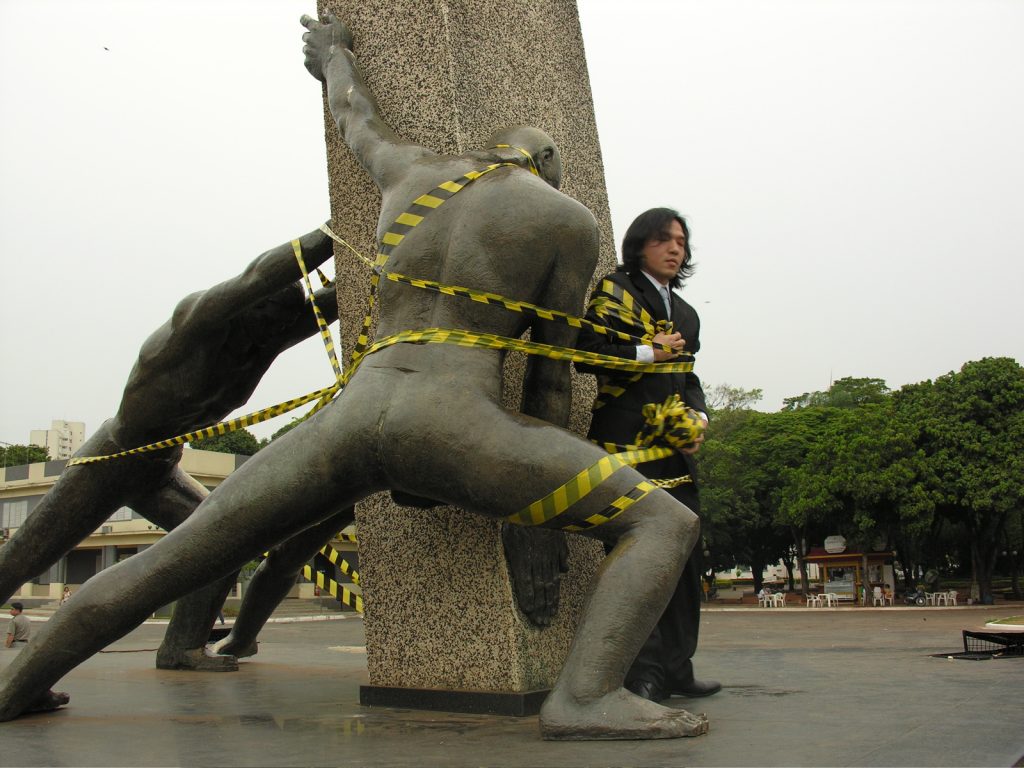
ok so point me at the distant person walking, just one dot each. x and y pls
(20, 628)
(66, 596)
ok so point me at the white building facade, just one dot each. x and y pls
(61, 440)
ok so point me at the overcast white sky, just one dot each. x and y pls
(852, 172)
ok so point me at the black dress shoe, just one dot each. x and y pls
(695, 689)
(646, 690)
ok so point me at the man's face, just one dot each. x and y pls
(663, 256)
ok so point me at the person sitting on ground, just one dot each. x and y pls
(20, 628)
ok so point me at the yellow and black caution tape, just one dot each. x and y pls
(563, 497)
(614, 509)
(513, 305)
(668, 427)
(464, 338)
(217, 429)
(325, 332)
(566, 495)
(335, 558)
(520, 150)
(339, 592)
(342, 593)
(611, 300)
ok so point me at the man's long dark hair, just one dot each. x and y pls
(654, 224)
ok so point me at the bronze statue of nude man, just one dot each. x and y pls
(426, 420)
(195, 369)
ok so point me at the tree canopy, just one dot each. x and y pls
(933, 470)
(13, 455)
(241, 441)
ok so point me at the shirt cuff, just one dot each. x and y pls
(645, 354)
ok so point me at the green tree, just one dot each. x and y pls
(848, 392)
(241, 441)
(722, 397)
(744, 470)
(970, 427)
(15, 455)
(866, 480)
(1013, 550)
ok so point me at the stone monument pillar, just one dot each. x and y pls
(442, 627)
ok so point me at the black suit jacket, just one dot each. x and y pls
(619, 420)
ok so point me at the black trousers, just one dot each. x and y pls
(665, 659)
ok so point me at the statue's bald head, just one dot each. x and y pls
(538, 144)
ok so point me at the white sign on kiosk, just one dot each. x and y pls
(835, 544)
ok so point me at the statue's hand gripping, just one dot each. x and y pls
(537, 558)
(323, 40)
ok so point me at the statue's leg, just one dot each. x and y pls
(297, 481)
(184, 643)
(83, 497)
(272, 581)
(514, 461)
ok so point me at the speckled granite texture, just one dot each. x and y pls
(440, 611)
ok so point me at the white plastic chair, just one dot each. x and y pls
(877, 598)
(778, 600)
(951, 597)
(764, 601)
(830, 599)
(941, 598)
(814, 601)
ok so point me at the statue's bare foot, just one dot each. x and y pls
(199, 659)
(233, 647)
(48, 702)
(616, 715)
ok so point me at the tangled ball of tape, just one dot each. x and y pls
(670, 423)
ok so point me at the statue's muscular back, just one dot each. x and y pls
(508, 233)
(190, 373)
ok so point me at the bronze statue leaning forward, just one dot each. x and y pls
(425, 419)
(195, 369)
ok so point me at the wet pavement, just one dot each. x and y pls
(823, 687)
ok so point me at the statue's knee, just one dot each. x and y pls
(678, 522)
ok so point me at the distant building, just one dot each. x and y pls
(125, 532)
(61, 440)
(122, 535)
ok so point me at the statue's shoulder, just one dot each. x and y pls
(556, 207)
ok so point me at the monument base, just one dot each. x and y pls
(513, 704)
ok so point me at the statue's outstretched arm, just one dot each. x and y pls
(266, 275)
(329, 58)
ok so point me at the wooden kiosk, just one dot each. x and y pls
(852, 576)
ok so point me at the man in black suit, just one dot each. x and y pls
(656, 259)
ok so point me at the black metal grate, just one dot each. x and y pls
(994, 642)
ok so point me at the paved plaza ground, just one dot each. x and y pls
(821, 687)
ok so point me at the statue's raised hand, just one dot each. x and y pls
(323, 40)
